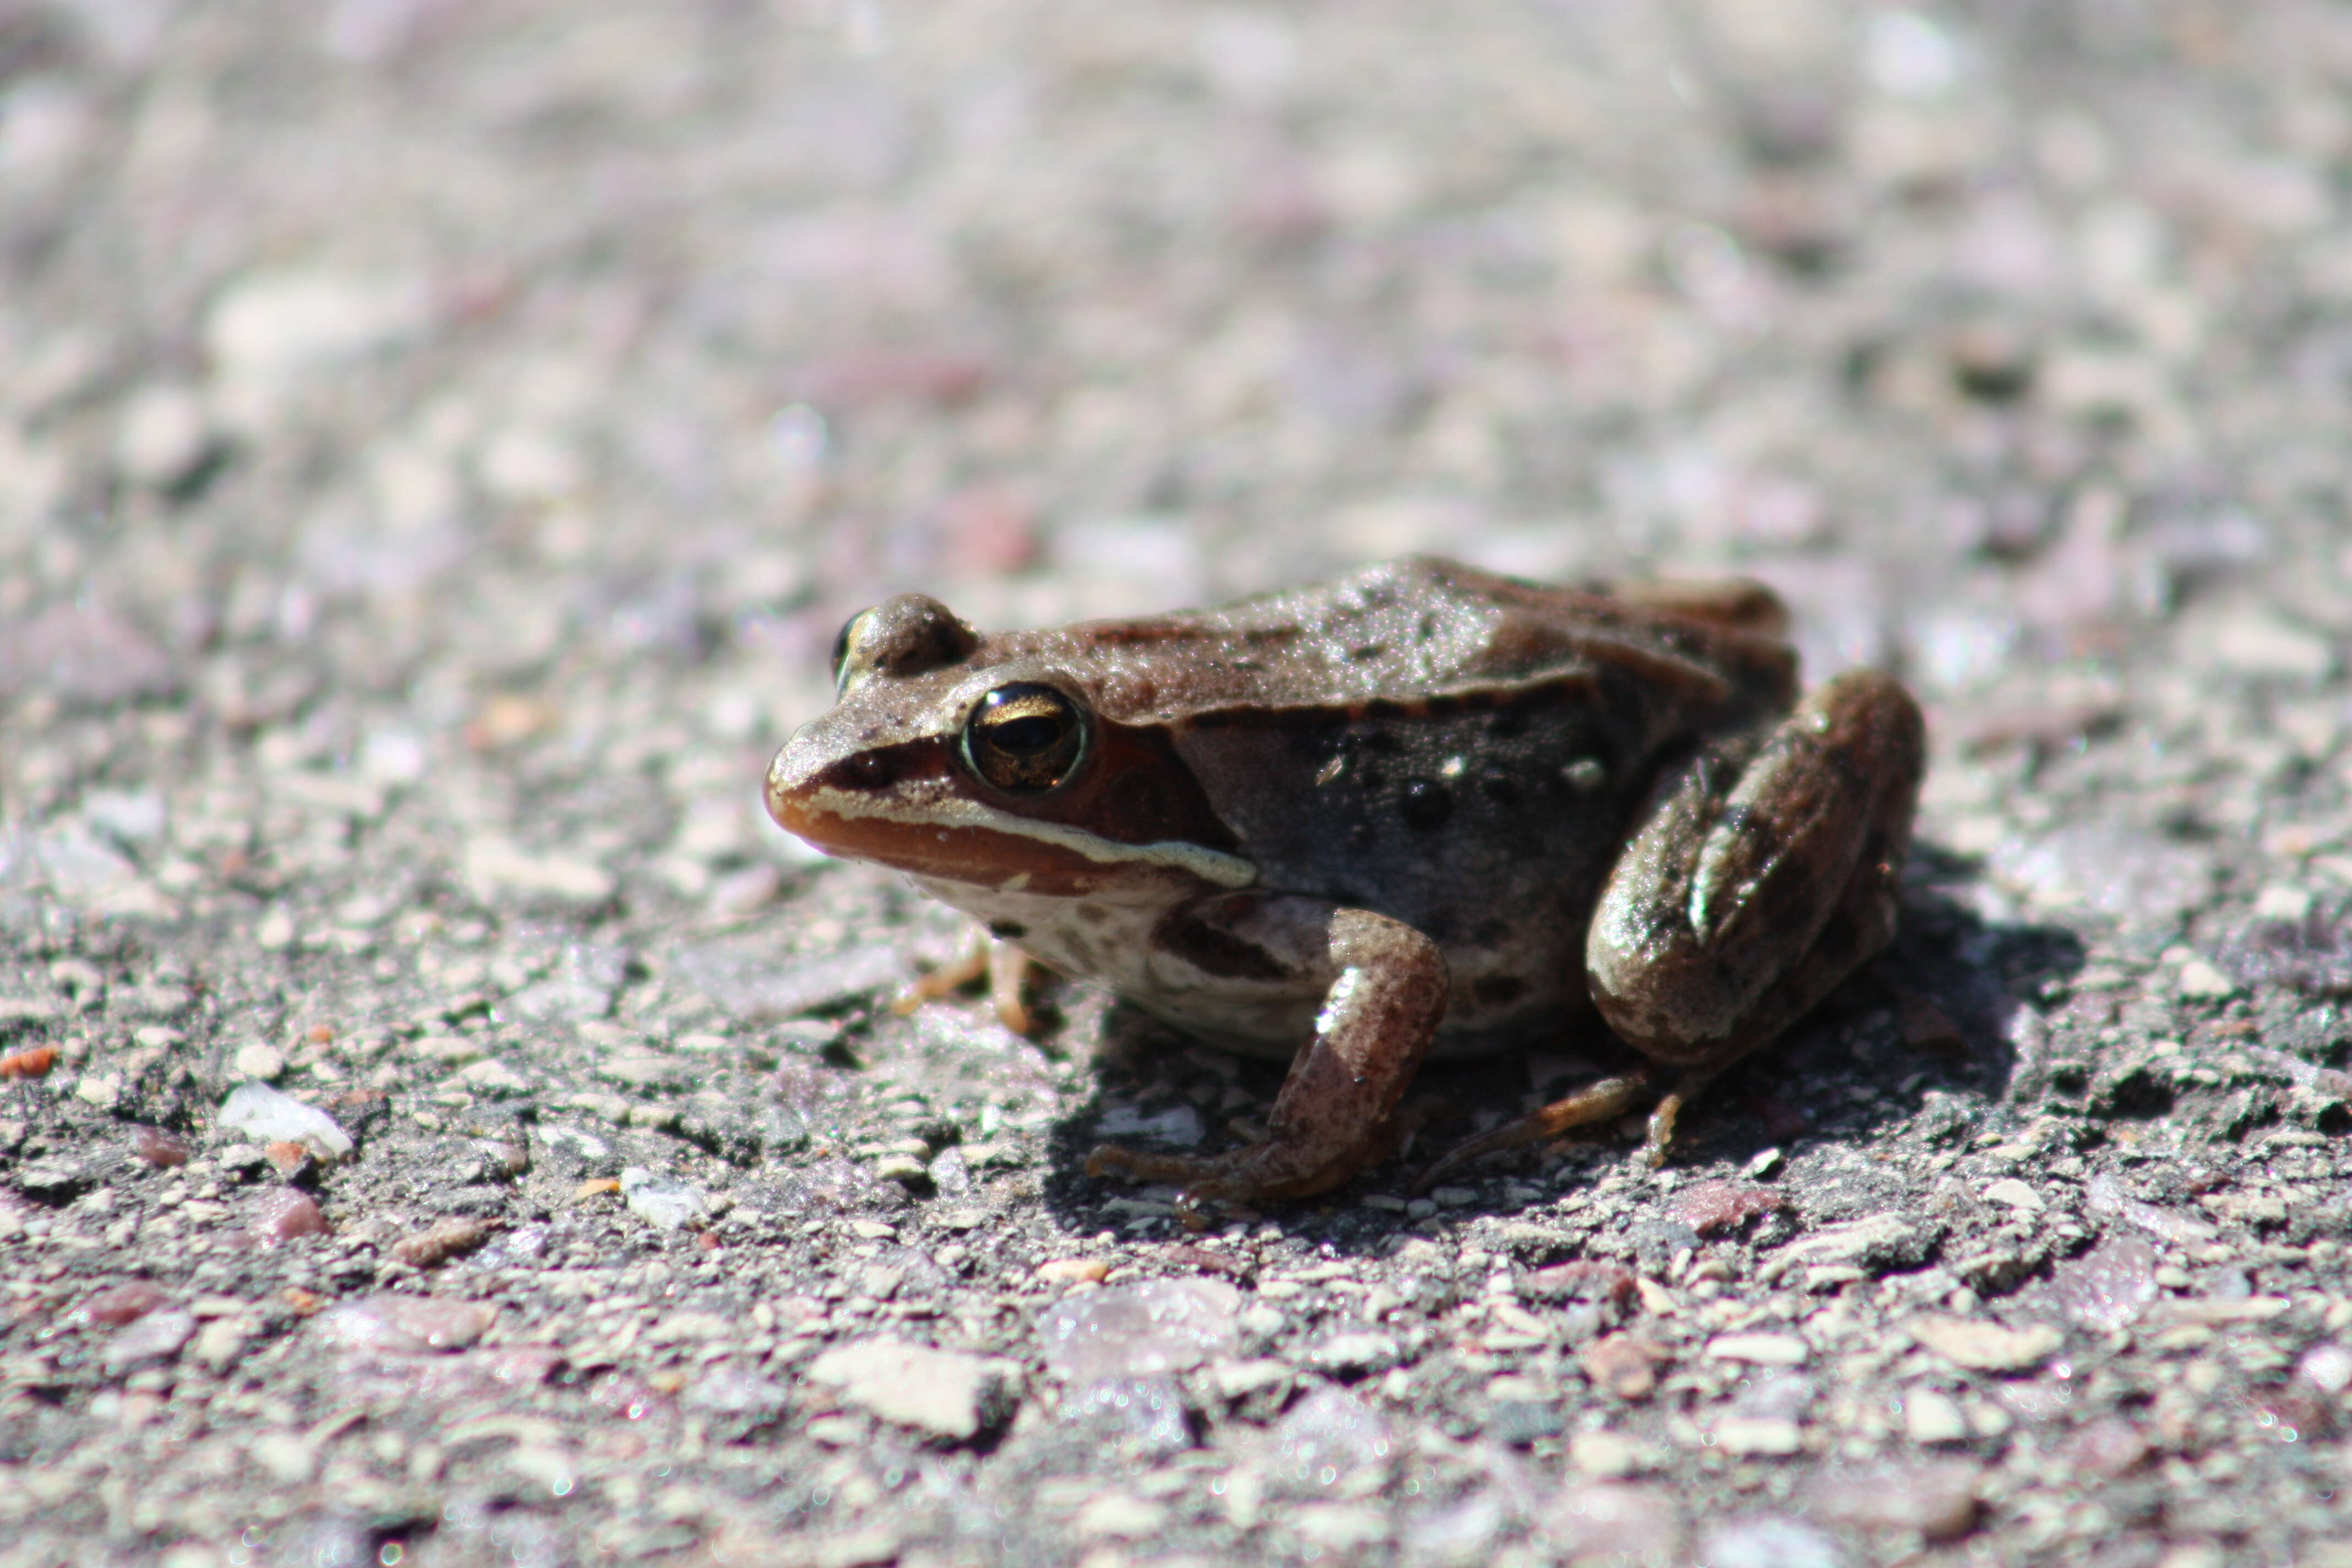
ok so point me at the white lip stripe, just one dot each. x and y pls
(1209, 865)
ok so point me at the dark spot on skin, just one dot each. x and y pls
(1007, 930)
(1498, 990)
(1425, 805)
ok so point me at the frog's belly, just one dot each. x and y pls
(1501, 999)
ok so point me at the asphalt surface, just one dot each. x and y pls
(438, 443)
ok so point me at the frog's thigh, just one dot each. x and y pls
(1732, 602)
(1736, 910)
(1384, 987)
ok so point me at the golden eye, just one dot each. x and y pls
(842, 643)
(1025, 739)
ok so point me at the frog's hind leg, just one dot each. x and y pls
(1384, 987)
(1744, 901)
(1733, 601)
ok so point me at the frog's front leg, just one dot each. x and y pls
(1383, 987)
(1745, 898)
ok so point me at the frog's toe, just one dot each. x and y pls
(1146, 1166)
(1257, 1172)
(1599, 1101)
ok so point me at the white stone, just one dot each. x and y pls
(1239, 1379)
(943, 1393)
(1608, 1456)
(1986, 1347)
(2016, 1194)
(497, 868)
(219, 1343)
(164, 438)
(524, 465)
(493, 1076)
(259, 1061)
(1358, 1352)
(2202, 982)
(1931, 1417)
(276, 932)
(287, 1460)
(285, 322)
(2259, 644)
(1741, 1436)
(664, 1202)
(1760, 1350)
(2282, 901)
(270, 1116)
(1120, 1516)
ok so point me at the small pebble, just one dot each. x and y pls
(1982, 1346)
(1141, 1329)
(1327, 1437)
(27, 1064)
(1939, 1499)
(1743, 1436)
(166, 1151)
(157, 1336)
(403, 1325)
(448, 1238)
(2202, 982)
(287, 1216)
(2016, 1194)
(1585, 1279)
(1622, 1366)
(164, 439)
(664, 1202)
(124, 1303)
(259, 1061)
(1929, 1417)
(1712, 1206)
(947, 1394)
(2106, 1448)
(273, 1116)
(1760, 1350)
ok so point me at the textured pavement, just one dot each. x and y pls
(438, 443)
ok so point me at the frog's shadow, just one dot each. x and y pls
(1931, 1018)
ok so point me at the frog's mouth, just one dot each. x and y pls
(905, 807)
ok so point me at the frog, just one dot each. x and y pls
(1421, 812)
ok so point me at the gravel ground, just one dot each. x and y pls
(446, 1123)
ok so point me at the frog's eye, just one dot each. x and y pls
(902, 639)
(851, 630)
(1025, 739)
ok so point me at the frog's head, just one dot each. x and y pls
(987, 760)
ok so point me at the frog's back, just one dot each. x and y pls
(1407, 631)
(1466, 758)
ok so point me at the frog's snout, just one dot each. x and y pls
(791, 778)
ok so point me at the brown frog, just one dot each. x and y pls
(1422, 811)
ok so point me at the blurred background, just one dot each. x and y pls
(389, 383)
